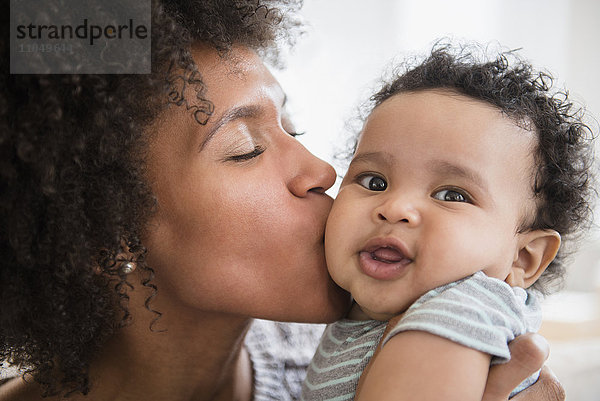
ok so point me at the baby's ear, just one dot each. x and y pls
(536, 249)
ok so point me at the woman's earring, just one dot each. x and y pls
(128, 267)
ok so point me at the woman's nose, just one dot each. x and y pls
(309, 173)
(397, 209)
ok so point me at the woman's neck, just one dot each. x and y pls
(197, 358)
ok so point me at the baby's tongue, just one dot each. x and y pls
(388, 255)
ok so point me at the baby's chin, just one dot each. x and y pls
(358, 312)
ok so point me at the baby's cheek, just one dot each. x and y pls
(499, 259)
(334, 259)
(499, 270)
(337, 260)
(335, 240)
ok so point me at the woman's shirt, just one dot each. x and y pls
(280, 354)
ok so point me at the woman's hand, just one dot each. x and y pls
(528, 353)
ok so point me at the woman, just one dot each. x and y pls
(161, 215)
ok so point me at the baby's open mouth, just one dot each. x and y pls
(383, 262)
(389, 255)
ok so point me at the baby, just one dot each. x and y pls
(463, 179)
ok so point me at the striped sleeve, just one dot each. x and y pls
(345, 350)
(479, 312)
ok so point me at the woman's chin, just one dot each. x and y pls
(334, 306)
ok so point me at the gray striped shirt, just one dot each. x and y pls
(480, 312)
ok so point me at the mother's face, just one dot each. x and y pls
(241, 204)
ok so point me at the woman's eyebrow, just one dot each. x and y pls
(235, 113)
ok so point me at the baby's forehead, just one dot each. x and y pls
(441, 113)
(441, 125)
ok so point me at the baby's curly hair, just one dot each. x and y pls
(563, 179)
(73, 198)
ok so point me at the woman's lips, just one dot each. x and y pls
(383, 260)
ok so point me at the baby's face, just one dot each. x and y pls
(437, 190)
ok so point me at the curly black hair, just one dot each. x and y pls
(563, 182)
(73, 197)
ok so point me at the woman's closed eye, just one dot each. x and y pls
(451, 195)
(257, 151)
(372, 182)
(295, 133)
(289, 127)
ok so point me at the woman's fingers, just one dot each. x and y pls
(528, 353)
(547, 388)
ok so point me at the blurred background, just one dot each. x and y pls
(349, 43)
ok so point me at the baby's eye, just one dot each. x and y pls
(372, 182)
(450, 195)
